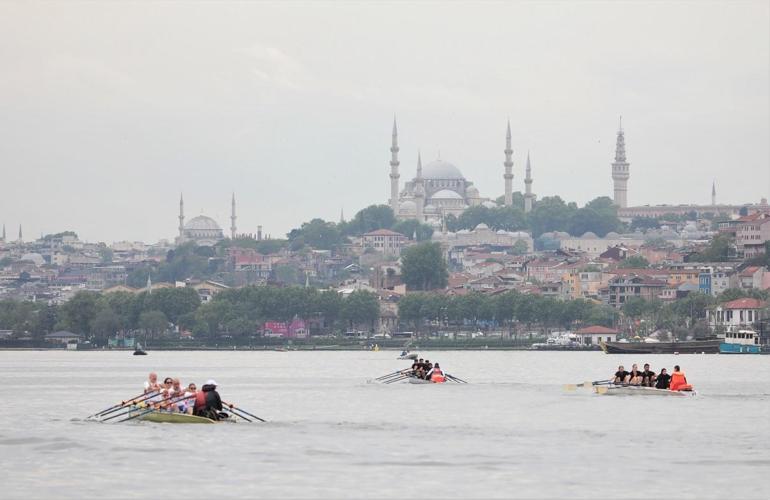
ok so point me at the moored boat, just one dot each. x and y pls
(411, 357)
(637, 390)
(685, 347)
(744, 341)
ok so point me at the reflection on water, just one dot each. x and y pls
(511, 432)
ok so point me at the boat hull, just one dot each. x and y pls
(626, 390)
(419, 381)
(685, 347)
(164, 417)
(410, 357)
(725, 348)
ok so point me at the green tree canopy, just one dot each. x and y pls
(423, 267)
(635, 261)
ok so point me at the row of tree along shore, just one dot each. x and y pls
(239, 316)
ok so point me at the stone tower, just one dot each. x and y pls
(508, 176)
(394, 175)
(620, 172)
(419, 192)
(232, 218)
(528, 196)
(181, 216)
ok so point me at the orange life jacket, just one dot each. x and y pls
(437, 377)
(678, 381)
(200, 400)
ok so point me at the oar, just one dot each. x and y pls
(150, 410)
(233, 407)
(157, 403)
(234, 412)
(572, 387)
(122, 403)
(398, 379)
(456, 379)
(400, 372)
(397, 375)
(147, 396)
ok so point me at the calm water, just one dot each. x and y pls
(513, 432)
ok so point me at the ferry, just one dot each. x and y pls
(744, 341)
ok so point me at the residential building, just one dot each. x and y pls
(751, 234)
(713, 280)
(739, 313)
(385, 241)
(625, 287)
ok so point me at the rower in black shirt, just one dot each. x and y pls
(663, 380)
(620, 376)
(648, 376)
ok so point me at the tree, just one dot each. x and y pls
(318, 234)
(172, 302)
(719, 250)
(361, 307)
(329, 305)
(423, 267)
(520, 248)
(550, 214)
(370, 219)
(412, 227)
(80, 311)
(153, 322)
(105, 253)
(635, 261)
(105, 323)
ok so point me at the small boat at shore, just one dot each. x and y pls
(637, 390)
(410, 357)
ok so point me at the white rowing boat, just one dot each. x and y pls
(637, 390)
(167, 417)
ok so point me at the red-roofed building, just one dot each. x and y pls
(592, 335)
(736, 314)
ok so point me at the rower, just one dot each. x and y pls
(207, 402)
(186, 405)
(634, 376)
(151, 384)
(662, 380)
(648, 376)
(436, 375)
(620, 376)
(427, 368)
(679, 381)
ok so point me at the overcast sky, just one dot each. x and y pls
(108, 110)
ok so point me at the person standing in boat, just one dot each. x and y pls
(648, 376)
(662, 380)
(621, 376)
(208, 403)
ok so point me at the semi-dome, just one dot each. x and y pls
(202, 223)
(407, 205)
(440, 169)
(447, 194)
(588, 235)
(612, 235)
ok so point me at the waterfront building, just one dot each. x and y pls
(736, 314)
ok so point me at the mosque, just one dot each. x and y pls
(439, 188)
(203, 230)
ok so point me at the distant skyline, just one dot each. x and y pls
(108, 111)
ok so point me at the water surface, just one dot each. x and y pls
(512, 433)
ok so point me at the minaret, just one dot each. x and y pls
(232, 219)
(620, 172)
(181, 217)
(508, 176)
(342, 215)
(3, 240)
(713, 193)
(419, 192)
(394, 175)
(21, 239)
(528, 196)
(148, 287)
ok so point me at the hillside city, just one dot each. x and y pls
(438, 261)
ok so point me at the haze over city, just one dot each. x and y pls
(109, 111)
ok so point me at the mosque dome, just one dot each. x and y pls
(472, 192)
(588, 235)
(35, 258)
(481, 226)
(612, 235)
(202, 223)
(446, 194)
(490, 204)
(407, 206)
(440, 169)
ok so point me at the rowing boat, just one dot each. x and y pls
(166, 417)
(637, 390)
